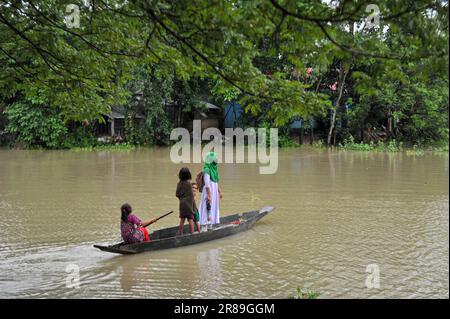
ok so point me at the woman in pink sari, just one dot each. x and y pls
(132, 228)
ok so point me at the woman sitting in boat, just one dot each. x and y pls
(132, 228)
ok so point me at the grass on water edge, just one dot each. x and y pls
(107, 147)
(303, 293)
(390, 147)
(285, 143)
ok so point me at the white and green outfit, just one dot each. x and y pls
(210, 179)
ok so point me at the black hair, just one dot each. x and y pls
(126, 210)
(184, 174)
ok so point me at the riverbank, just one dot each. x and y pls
(108, 147)
(389, 147)
(347, 145)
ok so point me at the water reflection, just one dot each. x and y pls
(131, 272)
(210, 273)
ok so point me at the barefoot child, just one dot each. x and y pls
(186, 196)
(196, 212)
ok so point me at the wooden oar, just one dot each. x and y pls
(155, 220)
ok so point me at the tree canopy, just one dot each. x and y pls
(261, 52)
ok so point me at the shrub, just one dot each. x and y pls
(286, 141)
(303, 293)
(35, 126)
(319, 144)
(349, 144)
(80, 137)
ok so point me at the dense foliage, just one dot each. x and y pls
(281, 59)
(153, 93)
(35, 125)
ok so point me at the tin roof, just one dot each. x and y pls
(119, 113)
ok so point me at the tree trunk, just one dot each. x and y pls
(179, 116)
(389, 126)
(341, 83)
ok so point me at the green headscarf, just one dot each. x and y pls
(210, 166)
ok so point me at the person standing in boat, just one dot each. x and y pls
(131, 227)
(185, 194)
(209, 205)
(195, 208)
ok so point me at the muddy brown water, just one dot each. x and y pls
(336, 213)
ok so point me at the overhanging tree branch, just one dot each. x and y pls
(211, 64)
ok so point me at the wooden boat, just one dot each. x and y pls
(169, 238)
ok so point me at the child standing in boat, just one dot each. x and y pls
(186, 196)
(209, 205)
(196, 212)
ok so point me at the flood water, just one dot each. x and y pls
(336, 213)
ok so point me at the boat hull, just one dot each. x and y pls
(167, 238)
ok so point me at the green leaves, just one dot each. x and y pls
(35, 125)
(255, 52)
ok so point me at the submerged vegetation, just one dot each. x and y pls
(391, 146)
(303, 293)
(107, 147)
